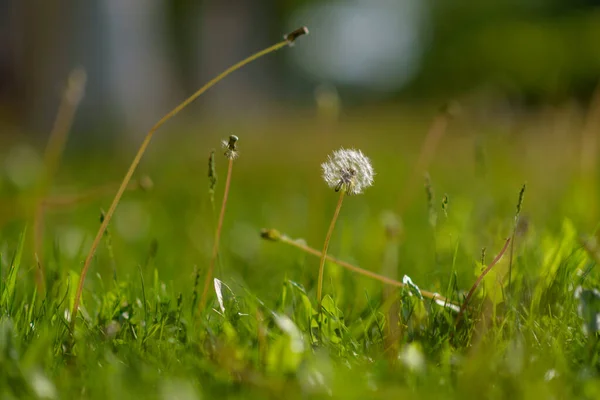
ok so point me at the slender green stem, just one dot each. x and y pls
(510, 260)
(479, 279)
(512, 242)
(215, 252)
(326, 246)
(138, 157)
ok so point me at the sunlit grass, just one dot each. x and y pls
(139, 332)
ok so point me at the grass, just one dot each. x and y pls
(139, 331)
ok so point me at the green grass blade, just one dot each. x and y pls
(11, 280)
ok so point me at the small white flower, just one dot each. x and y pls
(349, 169)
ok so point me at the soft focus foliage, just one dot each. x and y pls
(139, 332)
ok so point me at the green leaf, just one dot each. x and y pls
(303, 312)
(412, 288)
(286, 352)
(332, 323)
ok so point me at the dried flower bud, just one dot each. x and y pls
(292, 36)
(349, 170)
(270, 234)
(230, 147)
(146, 183)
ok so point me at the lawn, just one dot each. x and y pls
(454, 195)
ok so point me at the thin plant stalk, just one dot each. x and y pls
(215, 252)
(55, 202)
(589, 137)
(52, 156)
(514, 233)
(361, 271)
(140, 153)
(66, 201)
(390, 268)
(212, 184)
(434, 135)
(212, 181)
(326, 245)
(479, 279)
(510, 259)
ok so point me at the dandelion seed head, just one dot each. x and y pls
(348, 169)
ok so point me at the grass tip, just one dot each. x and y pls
(521, 198)
(445, 201)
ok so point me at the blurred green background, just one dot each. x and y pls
(476, 98)
(520, 78)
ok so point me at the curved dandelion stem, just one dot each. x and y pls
(138, 157)
(361, 271)
(326, 246)
(215, 252)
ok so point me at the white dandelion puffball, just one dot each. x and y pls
(348, 169)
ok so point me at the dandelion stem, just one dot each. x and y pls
(326, 246)
(215, 252)
(138, 158)
(361, 271)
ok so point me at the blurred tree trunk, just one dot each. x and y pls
(141, 58)
(230, 30)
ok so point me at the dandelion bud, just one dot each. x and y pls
(230, 147)
(146, 183)
(349, 170)
(270, 234)
(292, 36)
